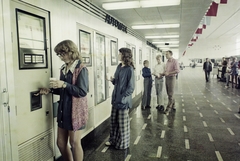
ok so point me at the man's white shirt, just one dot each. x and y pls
(159, 68)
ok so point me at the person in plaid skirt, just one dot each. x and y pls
(123, 82)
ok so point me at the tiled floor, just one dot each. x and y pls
(205, 126)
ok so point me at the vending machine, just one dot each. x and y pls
(31, 59)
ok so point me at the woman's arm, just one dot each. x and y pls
(80, 89)
(130, 86)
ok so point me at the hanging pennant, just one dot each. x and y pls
(223, 1)
(212, 11)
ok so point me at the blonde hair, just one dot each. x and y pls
(68, 47)
(158, 56)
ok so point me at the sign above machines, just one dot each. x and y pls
(153, 46)
(110, 20)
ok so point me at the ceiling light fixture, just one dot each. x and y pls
(139, 4)
(161, 37)
(170, 42)
(121, 5)
(165, 49)
(159, 3)
(162, 46)
(156, 26)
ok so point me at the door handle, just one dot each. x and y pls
(5, 97)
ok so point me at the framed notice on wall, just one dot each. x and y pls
(85, 47)
(114, 53)
(31, 35)
(134, 55)
(140, 56)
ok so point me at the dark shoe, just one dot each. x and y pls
(157, 107)
(148, 106)
(161, 108)
(167, 111)
(173, 108)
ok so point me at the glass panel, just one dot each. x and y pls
(100, 69)
(134, 56)
(85, 47)
(31, 40)
(140, 56)
(114, 53)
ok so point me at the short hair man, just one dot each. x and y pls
(172, 68)
(207, 67)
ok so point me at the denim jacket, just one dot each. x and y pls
(123, 87)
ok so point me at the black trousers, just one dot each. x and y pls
(223, 71)
(207, 74)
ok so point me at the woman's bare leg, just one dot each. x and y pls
(62, 143)
(75, 141)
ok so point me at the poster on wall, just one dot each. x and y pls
(140, 56)
(114, 53)
(134, 55)
(100, 69)
(31, 35)
(85, 47)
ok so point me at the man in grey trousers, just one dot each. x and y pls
(171, 69)
(159, 79)
(147, 84)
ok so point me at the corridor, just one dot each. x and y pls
(203, 128)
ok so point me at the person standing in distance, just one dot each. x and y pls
(171, 69)
(123, 82)
(72, 109)
(207, 67)
(158, 72)
(224, 67)
(147, 85)
(234, 71)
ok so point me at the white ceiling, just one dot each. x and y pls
(226, 24)
(222, 37)
(188, 14)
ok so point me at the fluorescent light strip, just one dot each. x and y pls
(170, 42)
(138, 4)
(165, 49)
(121, 5)
(161, 37)
(159, 3)
(161, 46)
(156, 26)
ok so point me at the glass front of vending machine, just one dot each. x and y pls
(100, 69)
